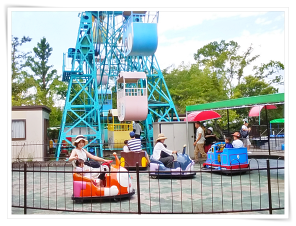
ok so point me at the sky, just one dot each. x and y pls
(180, 33)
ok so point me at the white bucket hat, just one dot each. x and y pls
(79, 138)
(211, 128)
(161, 137)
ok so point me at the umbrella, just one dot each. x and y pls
(202, 116)
(255, 111)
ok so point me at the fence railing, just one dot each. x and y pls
(47, 187)
(34, 151)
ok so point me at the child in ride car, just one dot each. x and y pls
(227, 142)
(125, 147)
(96, 178)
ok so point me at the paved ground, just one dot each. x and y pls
(51, 188)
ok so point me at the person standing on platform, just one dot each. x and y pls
(199, 141)
(246, 140)
(137, 130)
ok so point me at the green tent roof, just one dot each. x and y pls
(278, 120)
(277, 98)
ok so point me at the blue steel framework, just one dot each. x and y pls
(99, 53)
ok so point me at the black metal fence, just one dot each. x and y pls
(47, 187)
(33, 151)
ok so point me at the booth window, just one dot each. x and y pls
(18, 129)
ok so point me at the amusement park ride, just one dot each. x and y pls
(115, 50)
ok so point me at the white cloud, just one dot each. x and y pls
(178, 52)
(269, 45)
(262, 21)
(279, 17)
(248, 13)
(176, 20)
(164, 40)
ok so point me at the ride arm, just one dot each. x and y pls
(168, 151)
(96, 158)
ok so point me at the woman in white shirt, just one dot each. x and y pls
(161, 153)
(80, 153)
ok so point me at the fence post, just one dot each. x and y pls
(25, 188)
(138, 188)
(269, 187)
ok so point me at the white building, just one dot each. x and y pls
(29, 140)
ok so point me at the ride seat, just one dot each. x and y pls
(155, 161)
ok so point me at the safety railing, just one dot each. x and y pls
(46, 188)
(120, 127)
(39, 151)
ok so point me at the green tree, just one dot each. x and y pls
(224, 61)
(44, 79)
(212, 78)
(55, 116)
(270, 71)
(253, 86)
(189, 85)
(245, 60)
(19, 86)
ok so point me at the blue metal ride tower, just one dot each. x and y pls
(110, 42)
(81, 111)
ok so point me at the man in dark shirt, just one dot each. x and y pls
(210, 139)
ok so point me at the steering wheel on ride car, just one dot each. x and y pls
(108, 163)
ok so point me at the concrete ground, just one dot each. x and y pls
(51, 188)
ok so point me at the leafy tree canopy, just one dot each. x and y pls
(19, 86)
(43, 78)
(212, 78)
(34, 82)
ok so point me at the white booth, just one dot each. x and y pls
(177, 134)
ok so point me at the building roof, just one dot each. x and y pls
(278, 120)
(31, 108)
(131, 77)
(277, 98)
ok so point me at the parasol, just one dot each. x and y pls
(255, 111)
(202, 116)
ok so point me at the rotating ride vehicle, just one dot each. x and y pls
(117, 184)
(226, 160)
(130, 159)
(183, 167)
